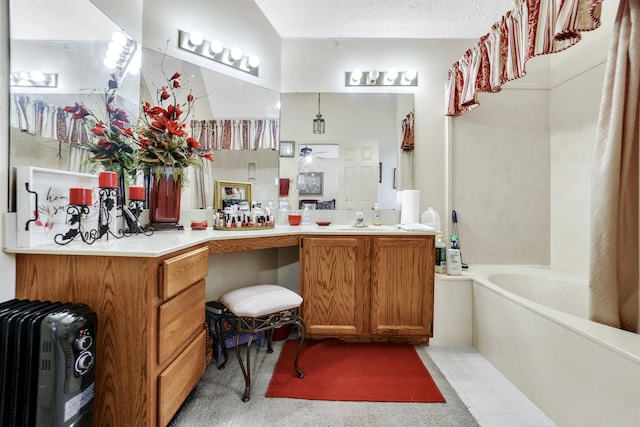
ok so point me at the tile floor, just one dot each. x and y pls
(491, 398)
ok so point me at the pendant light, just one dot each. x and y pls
(318, 122)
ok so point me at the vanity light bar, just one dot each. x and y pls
(381, 78)
(234, 57)
(33, 79)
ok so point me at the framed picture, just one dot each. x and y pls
(228, 193)
(287, 148)
(310, 183)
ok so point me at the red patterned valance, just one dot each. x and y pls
(236, 134)
(532, 28)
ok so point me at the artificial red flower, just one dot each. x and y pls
(191, 142)
(98, 129)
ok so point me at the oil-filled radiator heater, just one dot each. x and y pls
(47, 363)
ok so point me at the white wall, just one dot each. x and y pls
(235, 23)
(500, 189)
(574, 119)
(577, 79)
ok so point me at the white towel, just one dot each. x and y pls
(416, 226)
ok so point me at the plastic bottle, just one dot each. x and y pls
(441, 255)
(432, 218)
(376, 215)
(454, 261)
(305, 216)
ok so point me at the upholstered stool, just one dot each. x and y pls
(258, 308)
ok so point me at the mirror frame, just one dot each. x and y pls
(220, 190)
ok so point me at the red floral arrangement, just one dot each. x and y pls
(162, 136)
(113, 146)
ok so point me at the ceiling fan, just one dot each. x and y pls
(307, 154)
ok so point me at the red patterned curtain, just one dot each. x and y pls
(236, 134)
(532, 28)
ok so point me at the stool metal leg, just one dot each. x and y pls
(303, 332)
(245, 372)
(221, 343)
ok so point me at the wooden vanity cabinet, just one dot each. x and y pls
(151, 338)
(376, 288)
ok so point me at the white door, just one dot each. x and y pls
(358, 176)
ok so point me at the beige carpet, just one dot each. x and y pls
(216, 401)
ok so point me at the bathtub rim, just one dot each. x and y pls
(623, 342)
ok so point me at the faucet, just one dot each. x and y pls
(359, 220)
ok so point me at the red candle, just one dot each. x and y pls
(108, 180)
(136, 192)
(80, 196)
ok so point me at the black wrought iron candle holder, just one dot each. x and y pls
(132, 218)
(75, 213)
(107, 205)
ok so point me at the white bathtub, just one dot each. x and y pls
(532, 324)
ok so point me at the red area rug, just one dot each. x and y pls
(336, 370)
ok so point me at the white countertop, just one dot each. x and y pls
(165, 242)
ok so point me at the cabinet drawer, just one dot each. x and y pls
(181, 376)
(182, 271)
(179, 318)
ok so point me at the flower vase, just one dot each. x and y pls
(164, 198)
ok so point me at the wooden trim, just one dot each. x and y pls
(252, 244)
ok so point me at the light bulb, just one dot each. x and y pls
(410, 74)
(236, 53)
(254, 61)
(392, 74)
(216, 47)
(373, 75)
(356, 75)
(195, 38)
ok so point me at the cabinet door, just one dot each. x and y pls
(334, 272)
(402, 286)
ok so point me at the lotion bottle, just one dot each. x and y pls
(441, 255)
(454, 261)
(376, 215)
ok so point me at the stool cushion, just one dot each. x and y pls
(258, 300)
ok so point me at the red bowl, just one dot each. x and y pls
(294, 219)
(199, 225)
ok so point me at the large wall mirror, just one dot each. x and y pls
(356, 161)
(75, 49)
(227, 103)
(49, 43)
(45, 37)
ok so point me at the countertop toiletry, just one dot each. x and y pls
(454, 262)
(441, 255)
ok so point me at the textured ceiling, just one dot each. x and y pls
(329, 19)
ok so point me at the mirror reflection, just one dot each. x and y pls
(357, 156)
(48, 40)
(76, 52)
(355, 162)
(237, 120)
